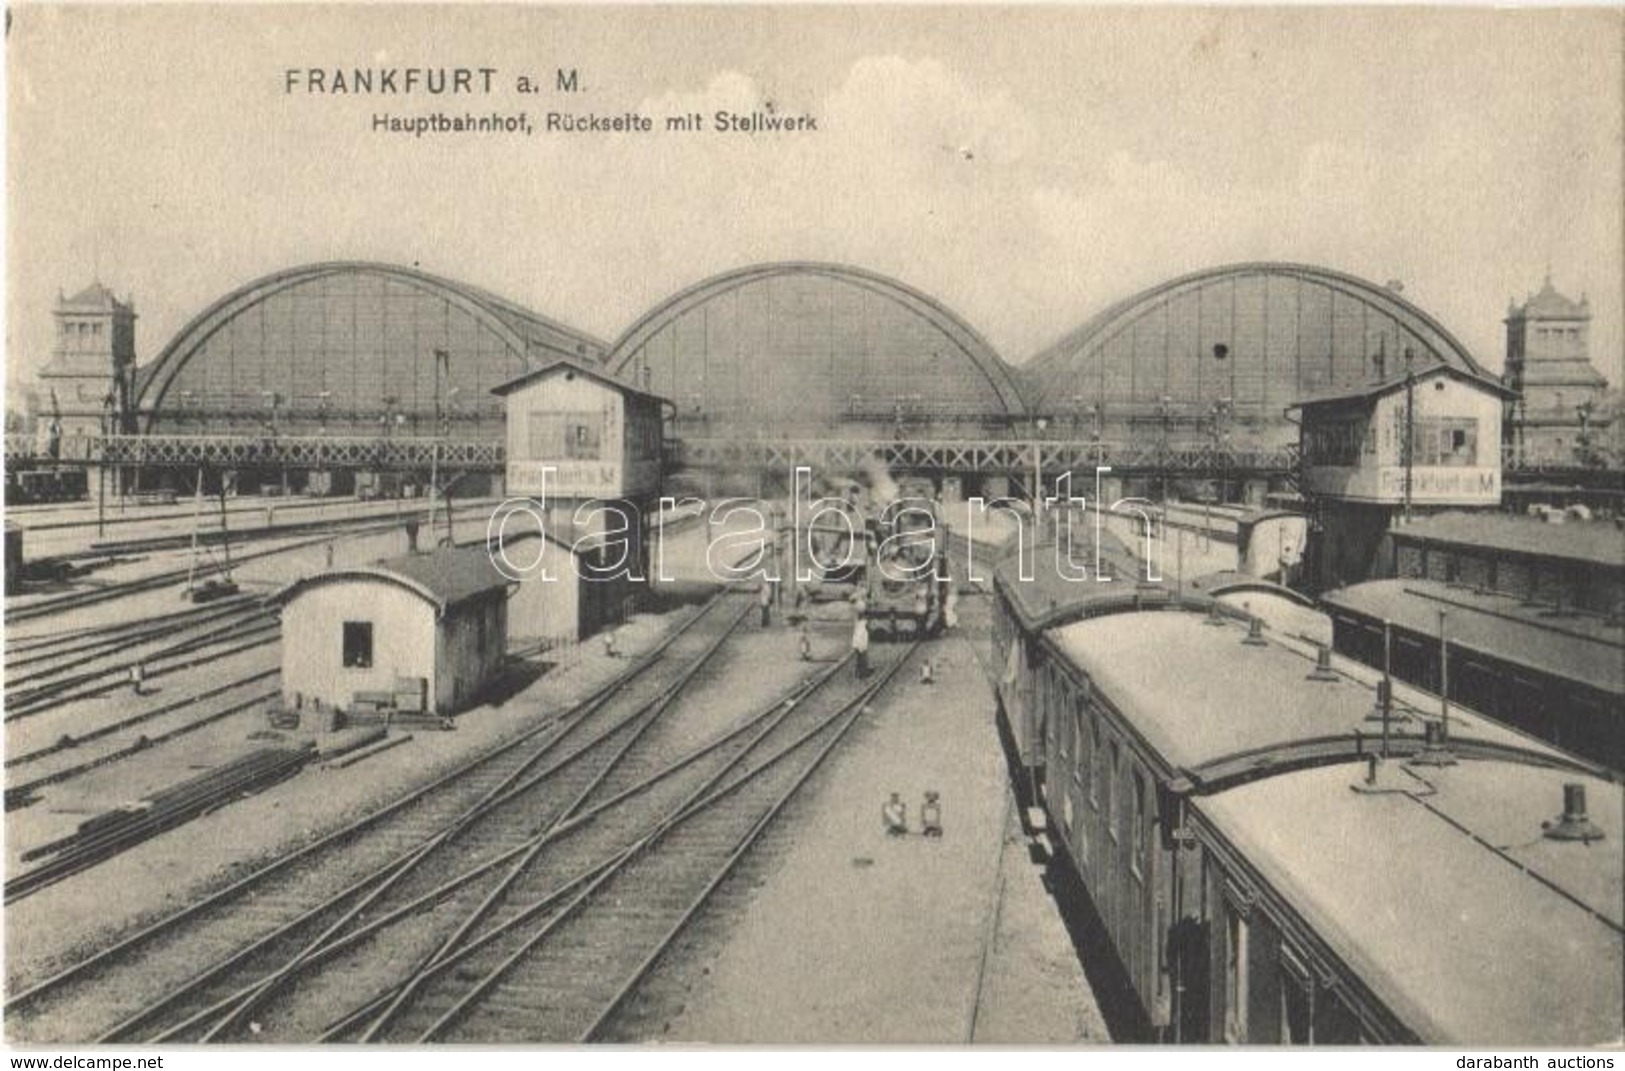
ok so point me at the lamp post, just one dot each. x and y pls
(1444, 680)
(442, 368)
(101, 468)
(448, 412)
(1165, 409)
(273, 401)
(1042, 424)
(1219, 413)
(696, 408)
(1408, 446)
(388, 419)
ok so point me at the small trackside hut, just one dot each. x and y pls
(585, 452)
(421, 634)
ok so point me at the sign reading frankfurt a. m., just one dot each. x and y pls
(1442, 484)
(564, 479)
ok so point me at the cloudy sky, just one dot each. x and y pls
(1027, 166)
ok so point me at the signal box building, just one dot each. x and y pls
(422, 634)
(556, 602)
(1418, 442)
(587, 449)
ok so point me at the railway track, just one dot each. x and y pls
(311, 894)
(95, 638)
(579, 928)
(70, 756)
(77, 600)
(159, 653)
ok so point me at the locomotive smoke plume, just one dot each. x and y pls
(882, 488)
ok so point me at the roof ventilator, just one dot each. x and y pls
(1435, 751)
(1384, 705)
(1384, 778)
(1323, 665)
(1573, 824)
(1255, 630)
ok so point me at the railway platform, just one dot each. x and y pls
(850, 935)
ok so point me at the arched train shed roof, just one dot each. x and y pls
(371, 327)
(1290, 330)
(804, 340)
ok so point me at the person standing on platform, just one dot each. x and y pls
(860, 646)
(931, 816)
(764, 596)
(894, 816)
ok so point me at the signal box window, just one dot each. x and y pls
(357, 644)
(574, 436)
(581, 440)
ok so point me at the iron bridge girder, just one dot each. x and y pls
(263, 451)
(988, 456)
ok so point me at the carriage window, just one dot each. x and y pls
(1094, 757)
(1235, 974)
(1137, 827)
(1079, 710)
(1080, 735)
(1297, 1019)
(1111, 788)
(1057, 700)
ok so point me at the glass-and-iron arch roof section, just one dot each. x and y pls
(802, 347)
(1248, 338)
(350, 348)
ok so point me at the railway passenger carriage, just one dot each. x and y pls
(56, 484)
(1262, 872)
